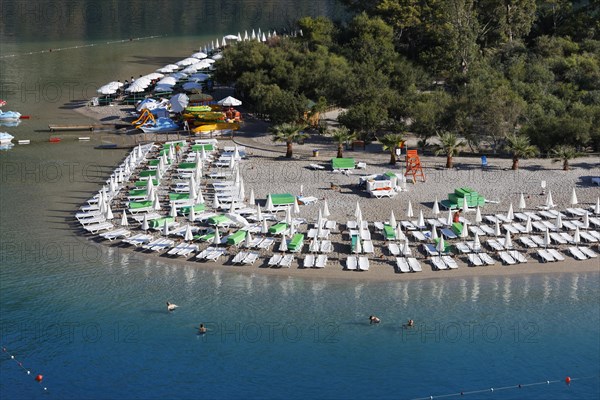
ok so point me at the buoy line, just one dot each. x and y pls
(568, 380)
(81, 46)
(38, 377)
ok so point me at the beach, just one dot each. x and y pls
(265, 171)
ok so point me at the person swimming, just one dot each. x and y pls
(374, 320)
(201, 329)
(171, 306)
(410, 323)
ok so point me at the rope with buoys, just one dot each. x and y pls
(568, 380)
(38, 377)
(82, 46)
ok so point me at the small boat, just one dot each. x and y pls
(24, 141)
(10, 123)
(9, 116)
(6, 138)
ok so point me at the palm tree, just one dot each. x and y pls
(449, 146)
(390, 142)
(342, 135)
(564, 153)
(288, 133)
(519, 147)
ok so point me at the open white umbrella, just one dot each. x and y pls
(199, 55)
(326, 212)
(107, 89)
(522, 204)
(200, 76)
(409, 211)
(510, 215)
(145, 225)
(168, 68)
(264, 228)
(192, 215)
(283, 245)
(576, 236)
(436, 207)
(124, 221)
(187, 61)
(478, 217)
(573, 197)
(269, 203)
(217, 237)
(179, 102)
(216, 203)
(166, 228)
(392, 220)
(189, 236)
(136, 87)
(508, 241)
(229, 102)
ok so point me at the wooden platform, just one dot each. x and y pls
(90, 127)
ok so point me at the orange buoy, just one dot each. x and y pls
(568, 380)
(39, 377)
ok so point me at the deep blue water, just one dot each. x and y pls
(92, 319)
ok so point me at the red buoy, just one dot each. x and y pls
(568, 380)
(24, 117)
(39, 377)
(54, 140)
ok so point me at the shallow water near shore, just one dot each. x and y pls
(92, 319)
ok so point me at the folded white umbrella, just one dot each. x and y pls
(109, 214)
(522, 204)
(296, 206)
(247, 239)
(251, 200)
(173, 210)
(192, 215)
(189, 236)
(436, 207)
(145, 225)
(465, 230)
(434, 234)
(478, 217)
(409, 211)
(283, 245)
(124, 221)
(392, 220)
(217, 237)
(165, 231)
(510, 215)
(264, 228)
(326, 212)
(507, 240)
(573, 197)
(421, 219)
(576, 236)
(497, 231)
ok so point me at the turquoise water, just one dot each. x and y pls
(92, 318)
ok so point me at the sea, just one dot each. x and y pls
(79, 320)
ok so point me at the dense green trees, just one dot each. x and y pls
(488, 72)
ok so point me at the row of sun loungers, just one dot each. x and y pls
(312, 261)
(408, 264)
(183, 249)
(244, 257)
(281, 260)
(361, 263)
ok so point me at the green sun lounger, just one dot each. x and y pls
(457, 227)
(138, 192)
(236, 238)
(197, 208)
(145, 183)
(163, 152)
(354, 242)
(343, 163)
(139, 204)
(148, 172)
(206, 237)
(447, 246)
(160, 222)
(278, 228)
(187, 165)
(179, 196)
(218, 220)
(207, 147)
(296, 242)
(282, 199)
(389, 232)
(155, 162)
(167, 146)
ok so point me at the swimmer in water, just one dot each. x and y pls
(202, 329)
(374, 320)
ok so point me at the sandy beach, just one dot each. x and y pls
(266, 171)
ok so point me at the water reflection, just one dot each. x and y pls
(507, 293)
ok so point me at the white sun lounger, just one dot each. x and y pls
(415, 265)
(577, 253)
(316, 166)
(557, 238)
(567, 237)
(587, 237)
(474, 259)
(88, 214)
(102, 226)
(266, 243)
(510, 228)
(526, 241)
(215, 255)
(402, 264)
(326, 246)
(286, 261)
(477, 230)
(578, 212)
(138, 240)
(254, 243)
(321, 261)
(545, 256)
(363, 263)
(594, 234)
(537, 240)
(556, 254)
(488, 230)
(408, 225)
(309, 261)
(495, 245)
(351, 263)
(588, 252)
(367, 247)
(594, 221)
(549, 225)
(450, 263)
(115, 234)
(91, 221)
(275, 259)
(472, 246)
(239, 257)
(507, 258)
(519, 257)
(438, 263)
(250, 258)
(570, 225)
(418, 235)
(462, 248)
(485, 257)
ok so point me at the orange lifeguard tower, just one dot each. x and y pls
(413, 165)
